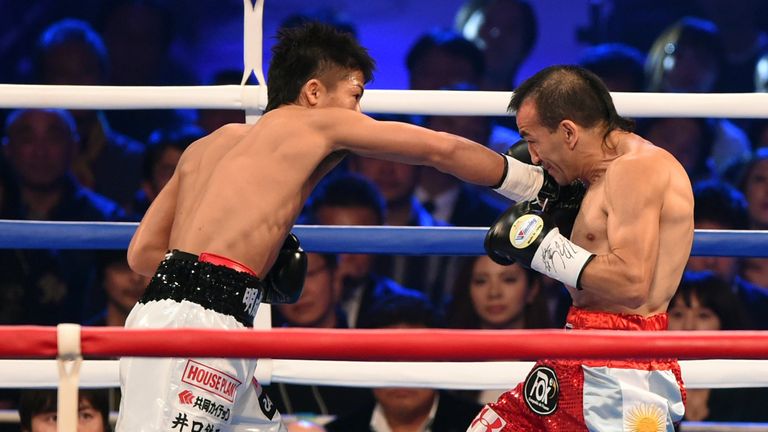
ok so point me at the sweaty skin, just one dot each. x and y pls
(237, 192)
(637, 215)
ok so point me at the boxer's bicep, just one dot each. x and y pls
(410, 144)
(150, 241)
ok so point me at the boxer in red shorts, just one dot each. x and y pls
(630, 241)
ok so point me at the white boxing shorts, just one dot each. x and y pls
(195, 394)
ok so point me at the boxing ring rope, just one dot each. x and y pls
(370, 348)
(15, 234)
(70, 342)
(252, 98)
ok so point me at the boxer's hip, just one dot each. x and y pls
(214, 282)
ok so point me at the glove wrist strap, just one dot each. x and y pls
(521, 181)
(561, 259)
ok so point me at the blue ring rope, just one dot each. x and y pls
(337, 239)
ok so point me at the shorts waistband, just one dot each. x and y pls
(585, 319)
(220, 287)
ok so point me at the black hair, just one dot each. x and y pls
(688, 32)
(758, 155)
(530, 24)
(63, 114)
(720, 202)
(310, 51)
(461, 310)
(713, 293)
(37, 401)
(450, 42)
(401, 309)
(347, 190)
(610, 60)
(570, 92)
(70, 30)
(161, 8)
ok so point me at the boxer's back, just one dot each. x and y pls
(242, 187)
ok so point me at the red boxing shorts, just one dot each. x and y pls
(593, 395)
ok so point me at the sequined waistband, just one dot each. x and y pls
(181, 276)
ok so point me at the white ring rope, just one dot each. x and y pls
(444, 375)
(434, 102)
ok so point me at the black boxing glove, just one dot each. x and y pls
(550, 195)
(285, 280)
(529, 236)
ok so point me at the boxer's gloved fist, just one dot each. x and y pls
(526, 235)
(555, 196)
(285, 280)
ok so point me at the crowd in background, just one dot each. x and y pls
(90, 165)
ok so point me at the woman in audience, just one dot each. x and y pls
(705, 302)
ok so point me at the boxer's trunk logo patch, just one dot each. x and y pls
(542, 390)
(211, 380)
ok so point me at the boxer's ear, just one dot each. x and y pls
(570, 132)
(311, 93)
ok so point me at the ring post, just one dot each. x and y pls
(69, 361)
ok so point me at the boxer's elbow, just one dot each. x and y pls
(637, 288)
(443, 151)
(142, 262)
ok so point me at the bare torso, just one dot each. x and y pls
(674, 225)
(238, 191)
(242, 187)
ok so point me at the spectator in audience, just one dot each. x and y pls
(139, 35)
(689, 140)
(447, 198)
(397, 183)
(705, 302)
(758, 129)
(743, 38)
(754, 185)
(122, 286)
(688, 58)
(211, 119)
(487, 295)
(506, 31)
(442, 58)
(721, 206)
(318, 307)
(39, 146)
(491, 296)
(620, 66)
(37, 410)
(70, 52)
(164, 150)
(350, 199)
(406, 409)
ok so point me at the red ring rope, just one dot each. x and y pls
(390, 345)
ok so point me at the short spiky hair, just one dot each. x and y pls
(573, 93)
(308, 52)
